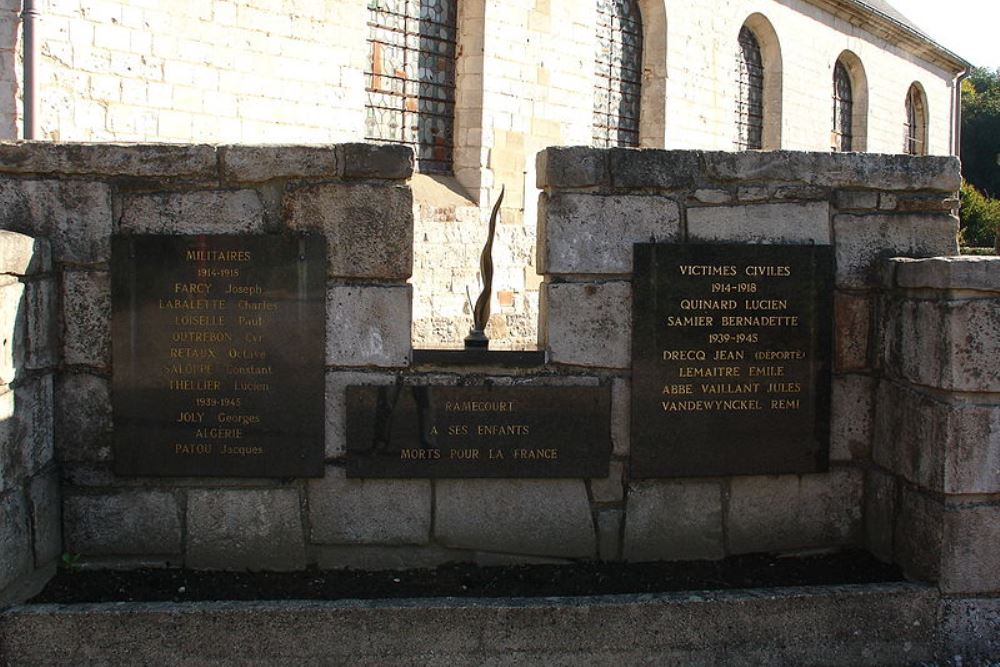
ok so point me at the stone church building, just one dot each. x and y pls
(477, 88)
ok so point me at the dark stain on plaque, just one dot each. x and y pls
(218, 348)
(730, 359)
(482, 431)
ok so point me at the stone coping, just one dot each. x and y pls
(968, 272)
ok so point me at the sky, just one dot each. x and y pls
(970, 28)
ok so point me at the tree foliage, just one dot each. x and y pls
(981, 130)
(980, 218)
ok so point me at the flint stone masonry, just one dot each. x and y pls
(802, 223)
(673, 520)
(128, 523)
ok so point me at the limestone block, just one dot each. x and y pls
(587, 324)
(15, 540)
(851, 415)
(917, 535)
(593, 234)
(880, 513)
(368, 325)
(22, 255)
(83, 418)
(609, 534)
(852, 331)
(970, 562)
(789, 512)
(608, 489)
(571, 167)
(41, 304)
(389, 161)
(857, 199)
(863, 240)
(673, 520)
(369, 511)
(32, 433)
(126, 523)
(106, 159)
(647, 168)
(245, 529)
(194, 212)
(368, 228)
(87, 318)
(13, 327)
(621, 416)
(336, 405)
(75, 216)
(794, 223)
(969, 626)
(752, 193)
(370, 557)
(526, 516)
(710, 196)
(46, 518)
(968, 272)
(250, 164)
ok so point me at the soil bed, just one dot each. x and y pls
(466, 580)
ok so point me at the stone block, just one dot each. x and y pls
(621, 416)
(46, 518)
(389, 161)
(336, 405)
(673, 520)
(41, 303)
(851, 414)
(15, 539)
(369, 557)
(106, 159)
(791, 512)
(880, 513)
(972, 449)
(22, 255)
(710, 196)
(571, 167)
(609, 534)
(549, 518)
(369, 511)
(752, 193)
(127, 523)
(86, 302)
(83, 417)
(791, 223)
(856, 199)
(970, 561)
(968, 272)
(193, 212)
(13, 329)
(368, 325)
(75, 216)
(593, 234)
(863, 241)
(651, 168)
(609, 489)
(245, 529)
(587, 324)
(969, 627)
(33, 414)
(253, 164)
(368, 228)
(852, 326)
(917, 535)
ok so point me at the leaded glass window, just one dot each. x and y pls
(410, 78)
(916, 123)
(843, 109)
(618, 68)
(750, 93)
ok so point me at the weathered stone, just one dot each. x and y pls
(368, 228)
(709, 196)
(648, 168)
(41, 303)
(83, 417)
(571, 167)
(864, 240)
(857, 199)
(336, 405)
(800, 192)
(762, 223)
(917, 535)
(673, 520)
(621, 416)
(13, 327)
(389, 161)
(923, 203)
(368, 557)
(852, 326)
(851, 411)
(251, 164)
(126, 523)
(969, 627)
(789, 512)
(75, 216)
(752, 193)
(368, 325)
(587, 324)
(11, 470)
(880, 513)
(608, 489)
(33, 432)
(86, 302)
(972, 450)
(15, 539)
(106, 159)
(22, 255)
(526, 516)
(46, 519)
(245, 529)
(887, 201)
(196, 212)
(968, 272)
(369, 511)
(593, 234)
(970, 562)
(609, 534)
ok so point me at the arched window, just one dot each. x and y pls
(410, 78)
(915, 129)
(618, 69)
(750, 93)
(843, 109)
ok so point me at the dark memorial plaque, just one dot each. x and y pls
(482, 431)
(730, 359)
(218, 355)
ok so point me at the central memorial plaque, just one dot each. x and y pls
(218, 355)
(481, 431)
(730, 359)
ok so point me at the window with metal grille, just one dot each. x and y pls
(916, 123)
(750, 93)
(410, 80)
(843, 109)
(618, 68)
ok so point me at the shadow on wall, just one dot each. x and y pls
(10, 23)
